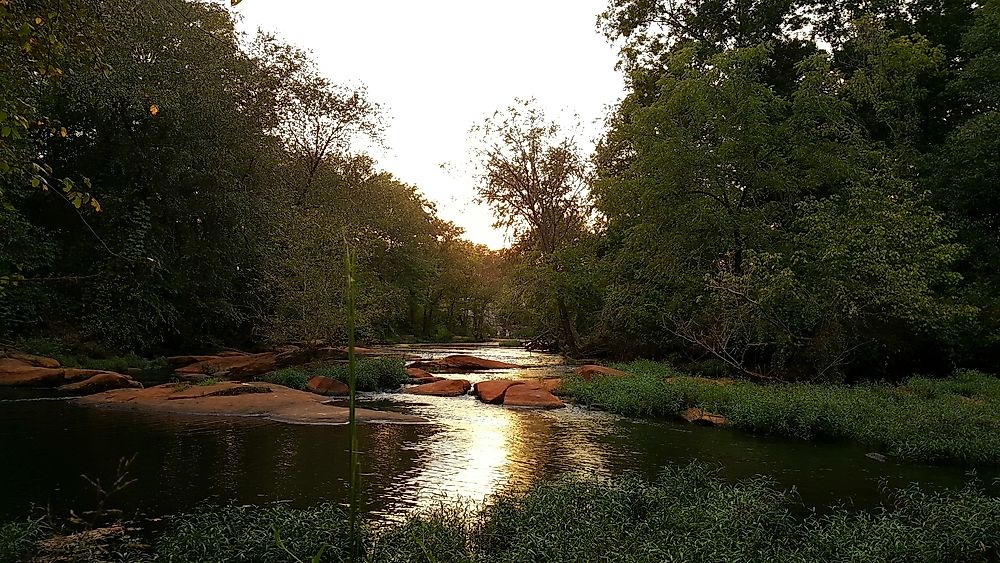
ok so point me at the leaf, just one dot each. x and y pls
(154, 109)
(35, 182)
(95, 205)
(62, 132)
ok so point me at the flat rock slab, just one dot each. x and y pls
(531, 394)
(443, 388)
(222, 399)
(30, 371)
(460, 363)
(101, 382)
(233, 366)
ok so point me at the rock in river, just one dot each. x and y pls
(443, 388)
(460, 363)
(323, 385)
(701, 416)
(275, 402)
(101, 382)
(532, 395)
(492, 391)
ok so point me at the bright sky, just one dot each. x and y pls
(438, 67)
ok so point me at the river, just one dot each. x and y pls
(466, 451)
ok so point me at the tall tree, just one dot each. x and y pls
(534, 178)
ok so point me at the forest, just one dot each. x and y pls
(792, 191)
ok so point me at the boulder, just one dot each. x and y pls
(493, 391)
(101, 382)
(323, 385)
(443, 388)
(703, 417)
(550, 384)
(588, 372)
(20, 373)
(230, 353)
(460, 363)
(531, 395)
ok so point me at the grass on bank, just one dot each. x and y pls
(373, 374)
(956, 418)
(688, 514)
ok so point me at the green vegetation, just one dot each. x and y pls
(510, 343)
(17, 539)
(687, 514)
(924, 419)
(838, 224)
(373, 374)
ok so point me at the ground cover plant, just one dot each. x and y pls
(925, 419)
(687, 514)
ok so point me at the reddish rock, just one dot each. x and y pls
(701, 416)
(33, 360)
(531, 395)
(417, 373)
(230, 353)
(20, 373)
(551, 384)
(443, 388)
(72, 375)
(234, 366)
(588, 372)
(101, 382)
(492, 391)
(180, 361)
(323, 385)
(422, 380)
(238, 399)
(460, 363)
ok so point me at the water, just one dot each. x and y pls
(467, 451)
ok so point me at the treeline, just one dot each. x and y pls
(168, 184)
(789, 190)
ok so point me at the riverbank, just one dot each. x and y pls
(928, 420)
(687, 514)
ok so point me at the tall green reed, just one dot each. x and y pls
(352, 383)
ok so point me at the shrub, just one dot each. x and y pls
(957, 418)
(289, 377)
(373, 374)
(510, 343)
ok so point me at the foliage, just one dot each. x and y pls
(686, 514)
(373, 374)
(17, 539)
(925, 419)
(790, 210)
